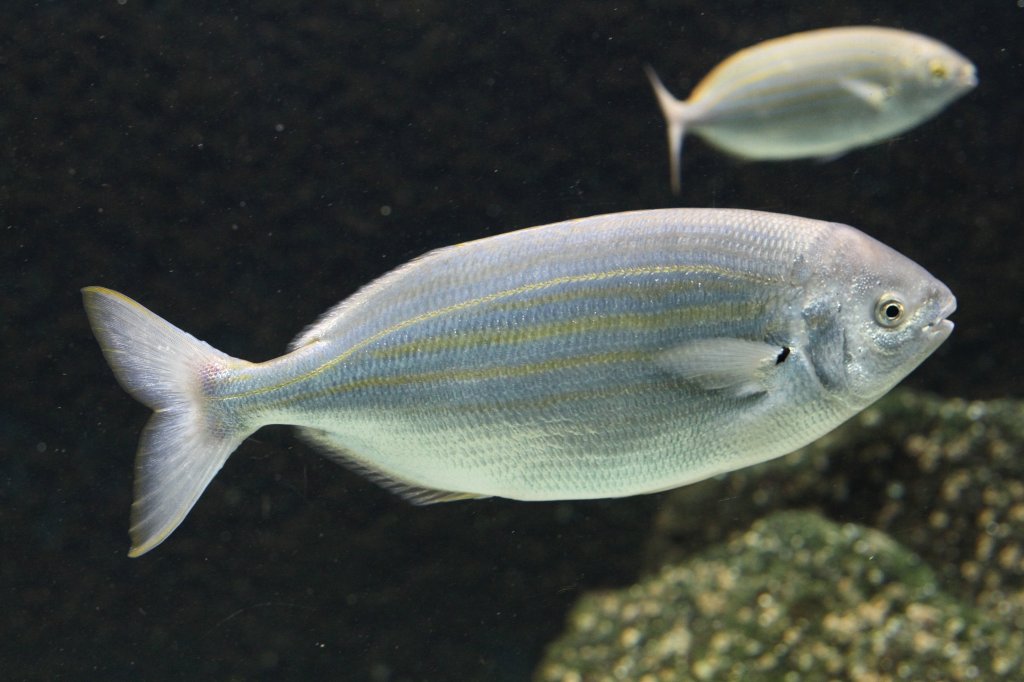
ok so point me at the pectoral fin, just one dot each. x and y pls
(736, 365)
(872, 94)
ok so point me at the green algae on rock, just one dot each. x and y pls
(794, 597)
(944, 477)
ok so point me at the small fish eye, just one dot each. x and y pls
(938, 70)
(889, 311)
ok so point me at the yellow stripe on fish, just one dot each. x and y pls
(483, 300)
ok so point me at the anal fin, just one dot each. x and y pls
(333, 448)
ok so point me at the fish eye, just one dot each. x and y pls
(938, 70)
(889, 311)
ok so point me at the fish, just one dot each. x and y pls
(599, 357)
(816, 94)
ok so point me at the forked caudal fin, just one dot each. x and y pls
(189, 437)
(676, 117)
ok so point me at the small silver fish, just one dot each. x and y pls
(816, 94)
(603, 357)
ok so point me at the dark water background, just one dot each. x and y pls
(241, 168)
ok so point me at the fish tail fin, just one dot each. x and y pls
(189, 436)
(676, 117)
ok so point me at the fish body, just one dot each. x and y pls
(817, 94)
(601, 357)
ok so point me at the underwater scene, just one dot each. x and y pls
(565, 342)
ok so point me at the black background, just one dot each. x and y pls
(239, 169)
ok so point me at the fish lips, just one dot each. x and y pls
(942, 327)
(968, 78)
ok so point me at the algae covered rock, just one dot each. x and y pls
(944, 477)
(795, 597)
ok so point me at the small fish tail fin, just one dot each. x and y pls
(189, 436)
(676, 115)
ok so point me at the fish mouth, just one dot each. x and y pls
(969, 78)
(942, 326)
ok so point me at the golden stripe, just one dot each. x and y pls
(489, 298)
(804, 39)
(604, 322)
(773, 69)
(502, 372)
(646, 291)
(545, 402)
(821, 86)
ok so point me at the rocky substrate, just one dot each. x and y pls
(905, 561)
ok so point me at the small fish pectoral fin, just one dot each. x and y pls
(332, 446)
(872, 94)
(728, 364)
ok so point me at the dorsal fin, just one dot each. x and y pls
(328, 324)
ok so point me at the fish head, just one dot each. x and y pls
(879, 316)
(941, 72)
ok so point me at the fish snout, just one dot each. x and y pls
(968, 76)
(942, 326)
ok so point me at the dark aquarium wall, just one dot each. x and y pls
(240, 167)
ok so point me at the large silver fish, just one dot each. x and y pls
(601, 357)
(816, 94)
